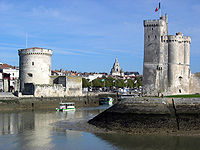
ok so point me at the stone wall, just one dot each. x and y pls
(195, 83)
(151, 115)
(73, 86)
(44, 90)
(37, 103)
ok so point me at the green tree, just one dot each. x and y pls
(97, 82)
(120, 83)
(109, 82)
(85, 83)
(139, 81)
(130, 83)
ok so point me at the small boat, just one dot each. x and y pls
(66, 106)
(110, 101)
(106, 101)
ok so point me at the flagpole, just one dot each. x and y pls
(160, 7)
(26, 39)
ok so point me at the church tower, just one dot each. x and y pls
(116, 71)
(155, 68)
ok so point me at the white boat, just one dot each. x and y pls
(66, 106)
(106, 101)
(110, 101)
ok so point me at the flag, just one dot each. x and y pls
(135, 82)
(157, 8)
(125, 81)
(103, 80)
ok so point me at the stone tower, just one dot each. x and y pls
(166, 68)
(116, 71)
(178, 63)
(155, 57)
(34, 66)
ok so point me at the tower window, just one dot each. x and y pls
(155, 37)
(30, 74)
(152, 28)
(32, 63)
(148, 36)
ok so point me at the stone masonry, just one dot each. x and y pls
(35, 76)
(166, 68)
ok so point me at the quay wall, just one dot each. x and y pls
(35, 103)
(151, 115)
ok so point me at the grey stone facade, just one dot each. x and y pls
(166, 68)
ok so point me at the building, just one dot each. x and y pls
(166, 68)
(35, 76)
(9, 76)
(34, 66)
(94, 76)
(1, 82)
(130, 74)
(116, 71)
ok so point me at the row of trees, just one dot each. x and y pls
(111, 82)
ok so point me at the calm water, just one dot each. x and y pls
(42, 130)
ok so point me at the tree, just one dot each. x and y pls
(109, 82)
(120, 83)
(85, 83)
(97, 82)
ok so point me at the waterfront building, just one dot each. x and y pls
(9, 76)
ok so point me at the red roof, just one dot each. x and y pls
(6, 66)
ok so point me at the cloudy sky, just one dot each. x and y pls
(87, 35)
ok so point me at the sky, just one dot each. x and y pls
(87, 35)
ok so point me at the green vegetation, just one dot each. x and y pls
(85, 83)
(111, 82)
(185, 96)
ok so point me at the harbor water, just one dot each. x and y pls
(51, 130)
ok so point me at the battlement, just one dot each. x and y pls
(176, 38)
(153, 23)
(35, 51)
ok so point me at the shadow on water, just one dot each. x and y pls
(148, 142)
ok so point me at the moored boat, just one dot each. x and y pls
(66, 106)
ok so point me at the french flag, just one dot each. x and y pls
(157, 8)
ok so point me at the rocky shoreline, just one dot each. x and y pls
(144, 115)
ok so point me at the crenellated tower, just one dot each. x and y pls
(178, 63)
(155, 57)
(166, 69)
(34, 66)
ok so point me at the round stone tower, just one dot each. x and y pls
(34, 66)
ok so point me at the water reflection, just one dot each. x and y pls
(37, 130)
(13, 123)
(34, 130)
